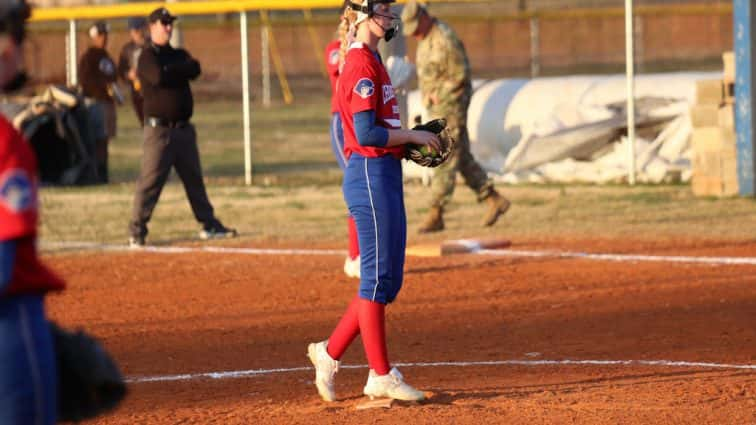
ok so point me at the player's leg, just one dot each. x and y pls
(352, 262)
(382, 274)
(476, 179)
(157, 159)
(28, 380)
(442, 188)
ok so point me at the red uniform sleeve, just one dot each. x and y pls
(363, 90)
(18, 185)
(332, 59)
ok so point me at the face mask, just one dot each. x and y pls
(390, 33)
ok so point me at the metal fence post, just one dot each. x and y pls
(630, 79)
(535, 35)
(245, 99)
(744, 32)
(72, 77)
(265, 64)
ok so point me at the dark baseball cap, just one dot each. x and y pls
(99, 28)
(161, 14)
(136, 23)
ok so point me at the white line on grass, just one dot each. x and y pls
(261, 372)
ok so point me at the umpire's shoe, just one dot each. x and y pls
(136, 242)
(325, 369)
(217, 231)
(391, 385)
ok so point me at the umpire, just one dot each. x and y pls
(170, 140)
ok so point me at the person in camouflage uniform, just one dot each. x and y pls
(443, 73)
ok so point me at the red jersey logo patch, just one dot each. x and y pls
(364, 88)
(16, 191)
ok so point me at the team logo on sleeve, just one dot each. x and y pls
(333, 57)
(388, 93)
(16, 190)
(106, 66)
(364, 88)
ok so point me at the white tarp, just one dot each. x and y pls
(571, 129)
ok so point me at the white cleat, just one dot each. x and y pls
(325, 369)
(352, 267)
(392, 386)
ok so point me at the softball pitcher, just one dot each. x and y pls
(374, 145)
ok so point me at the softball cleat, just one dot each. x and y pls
(392, 386)
(352, 267)
(325, 369)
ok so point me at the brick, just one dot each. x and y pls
(712, 139)
(709, 92)
(728, 62)
(726, 117)
(704, 115)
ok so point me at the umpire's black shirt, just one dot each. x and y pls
(165, 73)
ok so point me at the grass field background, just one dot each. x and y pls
(296, 195)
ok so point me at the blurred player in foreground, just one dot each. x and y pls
(374, 145)
(333, 67)
(28, 380)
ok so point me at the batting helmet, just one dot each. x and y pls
(367, 6)
(13, 16)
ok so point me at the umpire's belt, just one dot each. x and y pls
(159, 122)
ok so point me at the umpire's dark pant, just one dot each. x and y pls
(166, 147)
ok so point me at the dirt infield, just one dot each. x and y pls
(498, 327)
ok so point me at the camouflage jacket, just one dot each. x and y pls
(443, 73)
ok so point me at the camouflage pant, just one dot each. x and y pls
(461, 160)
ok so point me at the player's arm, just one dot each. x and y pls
(124, 65)
(148, 69)
(188, 68)
(370, 134)
(7, 259)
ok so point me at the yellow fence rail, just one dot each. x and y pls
(224, 6)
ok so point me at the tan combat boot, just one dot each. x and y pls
(434, 222)
(497, 205)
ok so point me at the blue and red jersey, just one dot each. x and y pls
(19, 213)
(332, 68)
(364, 85)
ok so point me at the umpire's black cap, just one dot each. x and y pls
(161, 14)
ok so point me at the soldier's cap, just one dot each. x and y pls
(411, 16)
(161, 14)
(99, 28)
(136, 23)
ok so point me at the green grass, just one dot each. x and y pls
(296, 195)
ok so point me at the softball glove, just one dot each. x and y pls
(424, 155)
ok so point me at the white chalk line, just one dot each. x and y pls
(620, 257)
(190, 249)
(261, 372)
(473, 250)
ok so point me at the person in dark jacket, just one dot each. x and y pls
(127, 63)
(170, 140)
(97, 74)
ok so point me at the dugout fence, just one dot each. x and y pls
(288, 37)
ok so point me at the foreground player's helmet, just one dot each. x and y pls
(13, 17)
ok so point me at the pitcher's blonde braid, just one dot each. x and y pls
(346, 32)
